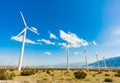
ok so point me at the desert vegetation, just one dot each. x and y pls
(6, 75)
(58, 75)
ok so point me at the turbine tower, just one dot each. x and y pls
(85, 52)
(97, 62)
(23, 40)
(67, 53)
(105, 63)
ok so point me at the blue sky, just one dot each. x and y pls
(67, 21)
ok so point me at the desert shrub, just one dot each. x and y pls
(99, 72)
(118, 71)
(94, 75)
(108, 80)
(65, 73)
(106, 70)
(80, 74)
(27, 72)
(48, 72)
(107, 75)
(117, 74)
(36, 71)
(43, 70)
(6, 75)
(11, 69)
(113, 71)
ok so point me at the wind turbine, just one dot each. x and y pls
(105, 63)
(94, 43)
(23, 40)
(97, 62)
(67, 53)
(85, 52)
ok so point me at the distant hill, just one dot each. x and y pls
(110, 62)
(63, 65)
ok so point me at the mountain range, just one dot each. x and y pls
(110, 62)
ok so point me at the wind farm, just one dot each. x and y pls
(61, 41)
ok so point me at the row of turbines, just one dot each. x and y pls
(24, 31)
(86, 60)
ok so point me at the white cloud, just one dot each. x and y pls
(76, 53)
(20, 38)
(48, 53)
(62, 44)
(94, 43)
(73, 39)
(52, 35)
(46, 41)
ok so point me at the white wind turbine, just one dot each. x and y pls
(97, 62)
(67, 53)
(98, 66)
(105, 63)
(85, 52)
(23, 40)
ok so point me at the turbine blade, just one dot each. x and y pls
(20, 33)
(33, 31)
(23, 19)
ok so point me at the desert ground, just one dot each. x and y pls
(58, 75)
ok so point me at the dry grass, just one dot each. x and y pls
(60, 76)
